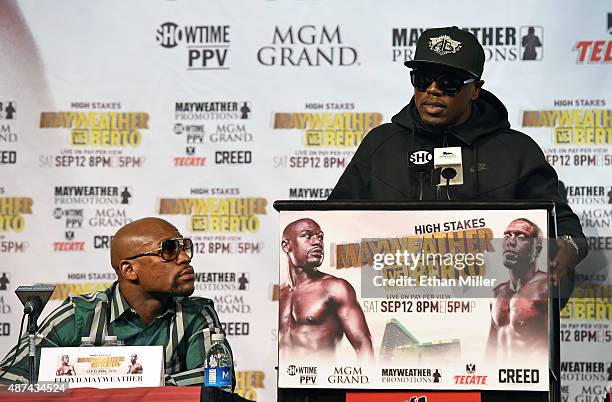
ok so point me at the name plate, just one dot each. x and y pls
(103, 367)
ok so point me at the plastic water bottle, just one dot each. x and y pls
(218, 369)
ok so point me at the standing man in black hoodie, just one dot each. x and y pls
(451, 109)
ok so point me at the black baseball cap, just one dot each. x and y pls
(451, 47)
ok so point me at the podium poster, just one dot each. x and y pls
(452, 299)
(103, 367)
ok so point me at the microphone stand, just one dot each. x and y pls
(448, 173)
(33, 299)
(32, 330)
(33, 314)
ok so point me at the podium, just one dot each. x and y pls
(405, 301)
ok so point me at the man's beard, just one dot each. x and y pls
(175, 290)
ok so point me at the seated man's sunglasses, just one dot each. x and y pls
(448, 83)
(170, 249)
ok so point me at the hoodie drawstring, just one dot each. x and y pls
(410, 173)
(476, 174)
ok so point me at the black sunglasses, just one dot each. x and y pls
(170, 249)
(448, 83)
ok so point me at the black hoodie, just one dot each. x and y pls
(498, 163)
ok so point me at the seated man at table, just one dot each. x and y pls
(148, 305)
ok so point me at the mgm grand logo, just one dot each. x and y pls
(348, 375)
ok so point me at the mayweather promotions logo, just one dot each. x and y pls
(500, 43)
(8, 113)
(222, 281)
(587, 195)
(207, 46)
(584, 371)
(309, 193)
(211, 110)
(307, 46)
(73, 195)
(8, 110)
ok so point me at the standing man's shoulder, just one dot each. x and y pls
(380, 136)
(515, 142)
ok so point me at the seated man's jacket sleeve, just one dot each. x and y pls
(60, 328)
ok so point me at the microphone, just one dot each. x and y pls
(448, 173)
(421, 162)
(449, 160)
(33, 305)
(451, 164)
(34, 298)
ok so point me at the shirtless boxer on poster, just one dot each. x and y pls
(66, 368)
(316, 309)
(519, 312)
(134, 367)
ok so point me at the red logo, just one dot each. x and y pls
(594, 51)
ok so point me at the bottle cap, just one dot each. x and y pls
(87, 341)
(217, 337)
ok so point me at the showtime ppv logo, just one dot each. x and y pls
(595, 51)
(504, 43)
(207, 45)
(306, 374)
(307, 46)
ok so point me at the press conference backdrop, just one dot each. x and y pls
(204, 112)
